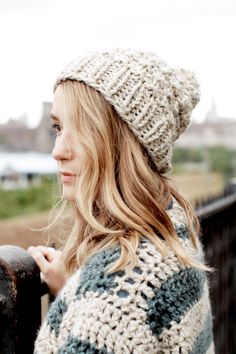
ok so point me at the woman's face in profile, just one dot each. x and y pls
(69, 154)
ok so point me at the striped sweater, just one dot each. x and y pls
(157, 307)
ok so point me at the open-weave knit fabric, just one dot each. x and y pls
(157, 307)
(154, 99)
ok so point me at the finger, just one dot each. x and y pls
(31, 250)
(42, 277)
(40, 260)
(48, 252)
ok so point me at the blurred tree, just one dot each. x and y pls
(222, 160)
(187, 155)
(30, 200)
(217, 158)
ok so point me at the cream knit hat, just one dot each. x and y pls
(154, 99)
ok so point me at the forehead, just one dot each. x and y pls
(59, 109)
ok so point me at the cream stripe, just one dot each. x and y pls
(47, 341)
(120, 324)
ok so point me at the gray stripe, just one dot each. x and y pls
(55, 314)
(205, 337)
(174, 298)
(76, 345)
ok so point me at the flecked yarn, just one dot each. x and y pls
(154, 99)
(158, 307)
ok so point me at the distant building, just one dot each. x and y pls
(25, 153)
(15, 135)
(212, 115)
(215, 130)
(44, 134)
(206, 134)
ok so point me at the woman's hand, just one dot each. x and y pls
(49, 260)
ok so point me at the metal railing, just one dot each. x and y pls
(21, 288)
(218, 224)
(20, 301)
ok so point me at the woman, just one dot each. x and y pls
(131, 275)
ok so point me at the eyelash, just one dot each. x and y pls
(57, 128)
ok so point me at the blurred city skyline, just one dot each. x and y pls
(39, 37)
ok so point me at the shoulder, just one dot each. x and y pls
(93, 276)
(152, 265)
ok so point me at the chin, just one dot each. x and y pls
(69, 194)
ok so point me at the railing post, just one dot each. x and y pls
(20, 301)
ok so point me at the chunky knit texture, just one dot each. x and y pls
(157, 307)
(154, 99)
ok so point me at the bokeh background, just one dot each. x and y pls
(39, 37)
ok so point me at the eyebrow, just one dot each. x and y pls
(53, 116)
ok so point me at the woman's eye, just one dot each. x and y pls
(56, 128)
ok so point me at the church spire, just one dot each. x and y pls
(212, 115)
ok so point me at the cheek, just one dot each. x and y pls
(80, 163)
(80, 153)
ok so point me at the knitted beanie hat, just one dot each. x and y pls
(154, 99)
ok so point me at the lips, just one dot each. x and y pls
(67, 177)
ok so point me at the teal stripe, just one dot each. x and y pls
(182, 232)
(93, 276)
(55, 314)
(174, 298)
(205, 337)
(75, 345)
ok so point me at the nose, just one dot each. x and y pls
(61, 150)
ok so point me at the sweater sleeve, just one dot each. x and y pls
(157, 307)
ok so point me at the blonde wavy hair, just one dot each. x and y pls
(120, 195)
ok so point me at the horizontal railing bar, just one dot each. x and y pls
(203, 212)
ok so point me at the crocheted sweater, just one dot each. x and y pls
(157, 307)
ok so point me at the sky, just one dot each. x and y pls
(39, 37)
